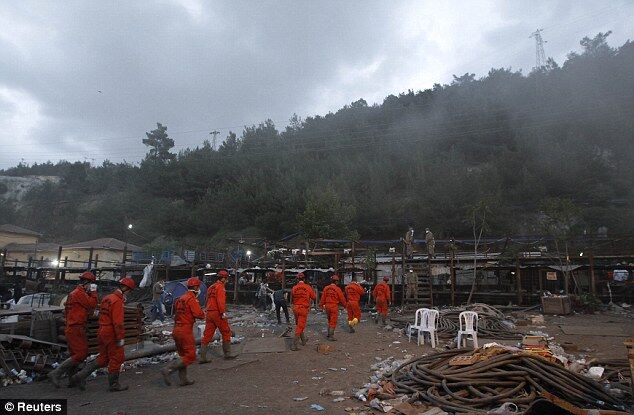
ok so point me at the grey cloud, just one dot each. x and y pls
(201, 65)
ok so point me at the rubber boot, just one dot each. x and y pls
(182, 375)
(204, 348)
(80, 377)
(331, 335)
(294, 344)
(304, 339)
(114, 385)
(71, 372)
(56, 375)
(226, 350)
(169, 369)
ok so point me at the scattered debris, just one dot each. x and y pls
(317, 407)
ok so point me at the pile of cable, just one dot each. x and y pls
(491, 322)
(477, 381)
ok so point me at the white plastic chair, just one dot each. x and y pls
(468, 327)
(418, 323)
(430, 325)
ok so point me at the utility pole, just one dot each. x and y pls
(540, 56)
(214, 133)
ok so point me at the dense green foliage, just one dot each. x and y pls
(426, 158)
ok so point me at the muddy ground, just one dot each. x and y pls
(266, 383)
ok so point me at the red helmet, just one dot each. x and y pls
(193, 282)
(334, 277)
(223, 274)
(88, 276)
(386, 278)
(301, 276)
(127, 282)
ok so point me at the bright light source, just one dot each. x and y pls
(249, 253)
(580, 253)
(55, 263)
(130, 226)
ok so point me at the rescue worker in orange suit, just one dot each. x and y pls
(186, 311)
(382, 297)
(354, 292)
(302, 295)
(80, 304)
(216, 318)
(110, 338)
(331, 297)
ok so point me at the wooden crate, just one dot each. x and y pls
(556, 305)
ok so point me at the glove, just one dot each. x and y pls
(96, 313)
(93, 287)
(121, 342)
(223, 316)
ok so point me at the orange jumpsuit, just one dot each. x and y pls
(187, 310)
(381, 294)
(110, 331)
(354, 292)
(330, 299)
(79, 306)
(216, 307)
(302, 295)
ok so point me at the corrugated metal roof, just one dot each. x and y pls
(32, 247)
(18, 230)
(105, 243)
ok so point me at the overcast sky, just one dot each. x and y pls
(85, 79)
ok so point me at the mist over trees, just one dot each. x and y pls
(512, 141)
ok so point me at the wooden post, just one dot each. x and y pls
(235, 287)
(518, 275)
(593, 280)
(59, 260)
(403, 247)
(65, 265)
(353, 254)
(431, 282)
(17, 282)
(283, 272)
(28, 270)
(541, 282)
(90, 254)
(125, 255)
(96, 261)
(393, 275)
(453, 278)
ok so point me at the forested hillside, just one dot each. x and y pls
(508, 142)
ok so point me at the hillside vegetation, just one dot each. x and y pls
(508, 142)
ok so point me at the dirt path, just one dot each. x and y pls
(266, 383)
